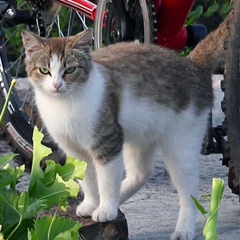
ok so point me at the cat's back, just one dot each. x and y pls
(151, 70)
(147, 60)
(120, 55)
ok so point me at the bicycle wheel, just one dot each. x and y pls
(133, 20)
(231, 102)
(22, 115)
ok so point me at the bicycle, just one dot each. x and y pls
(17, 124)
(146, 21)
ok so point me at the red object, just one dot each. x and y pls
(171, 16)
(83, 6)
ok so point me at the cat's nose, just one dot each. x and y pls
(57, 85)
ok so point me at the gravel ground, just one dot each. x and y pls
(152, 212)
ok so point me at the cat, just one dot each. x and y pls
(114, 107)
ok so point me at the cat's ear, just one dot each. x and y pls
(84, 38)
(31, 42)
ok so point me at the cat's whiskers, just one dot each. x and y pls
(72, 98)
(74, 88)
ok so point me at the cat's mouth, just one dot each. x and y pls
(56, 92)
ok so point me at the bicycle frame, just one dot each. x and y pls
(85, 7)
(171, 16)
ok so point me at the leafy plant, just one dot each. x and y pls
(56, 183)
(221, 7)
(210, 228)
(204, 9)
(51, 187)
(47, 228)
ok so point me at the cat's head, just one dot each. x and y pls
(58, 66)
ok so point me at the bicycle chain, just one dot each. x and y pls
(153, 16)
(39, 23)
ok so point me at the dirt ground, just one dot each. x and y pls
(152, 212)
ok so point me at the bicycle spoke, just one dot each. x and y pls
(20, 61)
(83, 20)
(133, 20)
(71, 20)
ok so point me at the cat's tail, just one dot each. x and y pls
(210, 51)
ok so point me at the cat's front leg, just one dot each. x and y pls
(109, 176)
(89, 187)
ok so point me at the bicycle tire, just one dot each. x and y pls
(231, 101)
(111, 28)
(20, 120)
(16, 125)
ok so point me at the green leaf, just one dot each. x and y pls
(210, 228)
(9, 215)
(198, 205)
(39, 152)
(9, 94)
(225, 9)
(5, 178)
(49, 174)
(211, 10)
(23, 202)
(54, 228)
(57, 191)
(1, 234)
(21, 231)
(34, 207)
(32, 235)
(73, 168)
(194, 15)
(10, 176)
(6, 159)
(205, 196)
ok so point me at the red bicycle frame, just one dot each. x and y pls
(85, 7)
(171, 16)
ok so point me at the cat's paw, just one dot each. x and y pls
(104, 215)
(85, 209)
(182, 235)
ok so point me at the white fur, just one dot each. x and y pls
(179, 136)
(71, 121)
(147, 126)
(56, 77)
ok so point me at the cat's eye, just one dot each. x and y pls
(43, 70)
(70, 70)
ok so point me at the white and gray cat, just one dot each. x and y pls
(114, 107)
